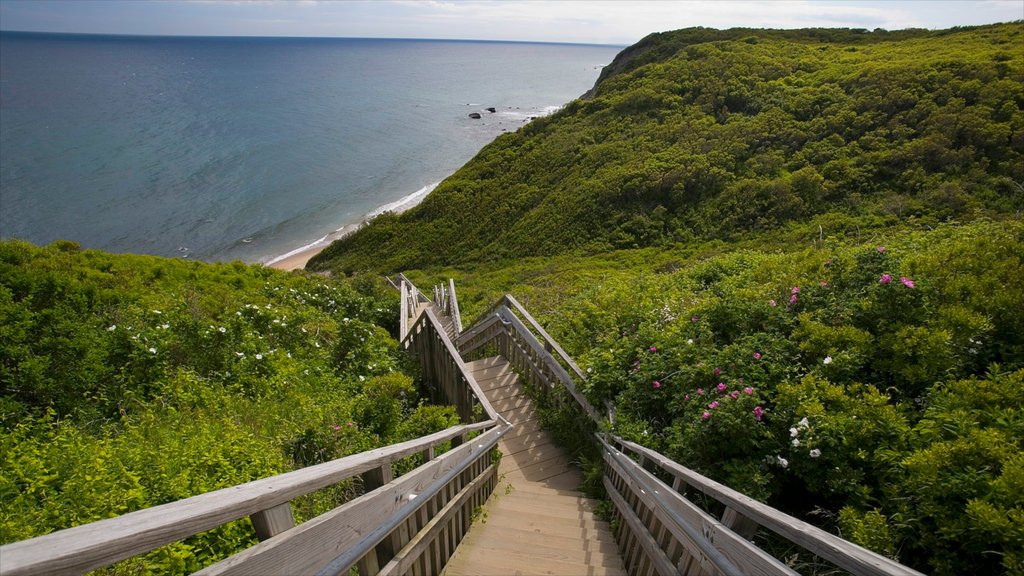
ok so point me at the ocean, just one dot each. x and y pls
(247, 149)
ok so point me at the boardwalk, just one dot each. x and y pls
(535, 522)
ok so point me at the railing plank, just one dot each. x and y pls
(640, 542)
(842, 553)
(454, 312)
(656, 496)
(547, 337)
(404, 560)
(309, 546)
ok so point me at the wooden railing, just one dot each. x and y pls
(411, 298)
(509, 330)
(408, 524)
(448, 303)
(641, 496)
(660, 530)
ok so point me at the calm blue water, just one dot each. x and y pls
(242, 148)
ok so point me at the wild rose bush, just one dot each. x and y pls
(851, 382)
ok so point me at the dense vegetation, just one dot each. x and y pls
(792, 259)
(131, 381)
(704, 134)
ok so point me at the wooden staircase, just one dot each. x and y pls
(535, 522)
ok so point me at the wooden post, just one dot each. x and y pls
(272, 521)
(385, 551)
(739, 523)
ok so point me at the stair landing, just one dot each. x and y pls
(535, 522)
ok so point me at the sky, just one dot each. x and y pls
(591, 22)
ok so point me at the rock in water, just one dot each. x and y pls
(474, 115)
(492, 110)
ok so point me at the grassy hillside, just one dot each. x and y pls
(131, 381)
(700, 134)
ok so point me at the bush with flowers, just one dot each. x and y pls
(131, 381)
(823, 381)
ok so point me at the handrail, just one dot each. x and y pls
(840, 552)
(442, 372)
(540, 352)
(454, 307)
(97, 544)
(342, 563)
(411, 297)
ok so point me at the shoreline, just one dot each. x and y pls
(298, 258)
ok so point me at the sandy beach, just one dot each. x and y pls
(298, 258)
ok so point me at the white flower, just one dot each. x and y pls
(803, 423)
(827, 360)
(165, 326)
(222, 329)
(259, 356)
(689, 341)
(793, 432)
(152, 350)
(317, 344)
(112, 328)
(815, 453)
(239, 354)
(782, 461)
(157, 312)
(796, 442)
(289, 354)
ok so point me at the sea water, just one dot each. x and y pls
(248, 148)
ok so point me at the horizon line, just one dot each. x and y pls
(283, 37)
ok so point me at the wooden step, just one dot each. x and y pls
(537, 522)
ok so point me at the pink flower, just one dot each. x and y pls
(687, 397)
(713, 405)
(748, 390)
(656, 384)
(336, 427)
(351, 423)
(757, 355)
(907, 281)
(700, 390)
(885, 279)
(758, 413)
(792, 299)
(828, 262)
(721, 386)
(694, 318)
(717, 372)
(795, 290)
(881, 249)
(771, 303)
(705, 415)
(735, 394)
(652, 349)
(823, 284)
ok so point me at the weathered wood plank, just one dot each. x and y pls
(429, 534)
(308, 547)
(272, 521)
(842, 553)
(641, 542)
(657, 498)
